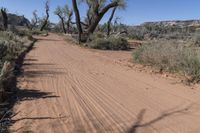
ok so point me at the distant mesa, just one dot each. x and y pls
(181, 23)
(15, 20)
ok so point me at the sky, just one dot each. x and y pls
(136, 12)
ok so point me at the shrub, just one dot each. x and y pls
(37, 32)
(170, 56)
(100, 43)
(196, 41)
(111, 43)
(12, 46)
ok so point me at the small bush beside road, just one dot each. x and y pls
(111, 43)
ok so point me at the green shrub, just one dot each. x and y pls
(196, 42)
(100, 43)
(111, 43)
(38, 32)
(170, 56)
(11, 45)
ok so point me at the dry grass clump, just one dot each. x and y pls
(171, 56)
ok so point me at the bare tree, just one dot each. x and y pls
(5, 18)
(64, 13)
(47, 16)
(69, 14)
(97, 9)
(110, 20)
(59, 12)
(34, 20)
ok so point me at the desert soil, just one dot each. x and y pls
(67, 88)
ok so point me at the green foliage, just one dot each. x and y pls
(170, 56)
(110, 43)
(11, 45)
(11, 48)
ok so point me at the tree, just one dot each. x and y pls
(34, 20)
(122, 5)
(78, 19)
(110, 20)
(47, 16)
(59, 12)
(62, 13)
(5, 18)
(69, 14)
(97, 9)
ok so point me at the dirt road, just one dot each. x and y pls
(66, 88)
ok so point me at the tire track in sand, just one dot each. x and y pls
(66, 88)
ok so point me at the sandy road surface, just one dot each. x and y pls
(66, 88)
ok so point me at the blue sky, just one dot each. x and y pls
(137, 11)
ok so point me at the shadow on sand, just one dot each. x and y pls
(32, 69)
(139, 120)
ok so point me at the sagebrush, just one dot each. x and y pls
(171, 56)
(111, 43)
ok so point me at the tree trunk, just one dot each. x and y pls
(78, 20)
(47, 16)
(5, 19)
(68, 26)
(63, 23)
(69, 22)
(98, 16)
(44, 24)
(110, 20)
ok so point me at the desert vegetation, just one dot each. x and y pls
(12, 49)
(86, 30)
(171, 56)
(14, 43)
(168, 46)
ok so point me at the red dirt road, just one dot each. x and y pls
(66, 88)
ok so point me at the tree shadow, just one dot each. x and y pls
(34, 118)
(32, 68)
(38, 118)
(38, 64)
(50, 40)
(32, 71)
(41, 73)
(30, 59)
(138, 123)
(27, 95)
